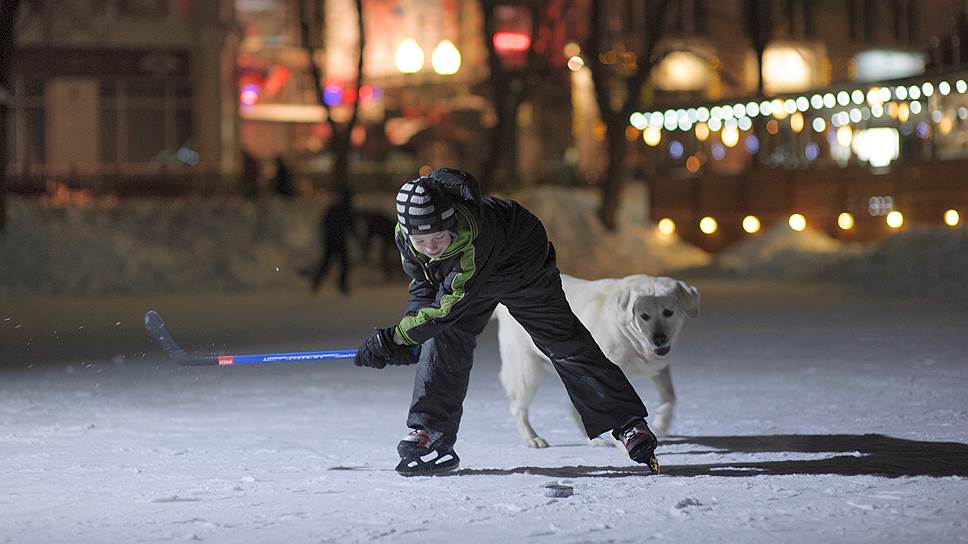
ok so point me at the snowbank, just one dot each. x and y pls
(924, 262)
(782, 252)
(222, 245)
(586, 249)
(157, 246)
(190, 245)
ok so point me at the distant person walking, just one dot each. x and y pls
(249, 182)
(379, 242)
(282, 182)
(336, 226)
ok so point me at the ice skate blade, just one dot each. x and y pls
(418, 467)
(654, 465)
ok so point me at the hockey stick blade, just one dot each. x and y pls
(156, 327)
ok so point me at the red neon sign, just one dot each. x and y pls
(511, 41)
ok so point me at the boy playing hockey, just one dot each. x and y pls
(465, 254)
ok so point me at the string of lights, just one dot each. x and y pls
(860, 122)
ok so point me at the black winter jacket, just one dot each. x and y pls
(500, 247)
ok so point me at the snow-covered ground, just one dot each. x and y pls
(807, 414)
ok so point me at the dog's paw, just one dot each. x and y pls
(535, 442)
(600, 442)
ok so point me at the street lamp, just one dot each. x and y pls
(446, 58)
(409, 57)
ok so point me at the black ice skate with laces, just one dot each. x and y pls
(640, 443)
(426, 452)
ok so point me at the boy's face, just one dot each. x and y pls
(432, 244)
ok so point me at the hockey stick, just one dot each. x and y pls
(156, 327)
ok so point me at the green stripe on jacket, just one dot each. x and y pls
(467, 231)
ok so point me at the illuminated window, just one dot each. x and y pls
(788, 68)
(879, 64)
(876, 146)
(681, 71)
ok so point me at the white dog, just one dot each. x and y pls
(635, 321)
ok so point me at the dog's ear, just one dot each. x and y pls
(622, 300)
(688, 298)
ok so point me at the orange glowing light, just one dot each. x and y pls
(692, 164)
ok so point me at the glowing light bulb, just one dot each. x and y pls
(446, 58)
(751, 224)
(409, 57)
(845, 221)
(652, 136)
(895, 219)
(702, 131)
(708, 225)
(666, 226)
(798, 222)
(844, 136)
(951, 218)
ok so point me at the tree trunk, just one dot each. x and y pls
(340, 147)
(500, 170)
(759, 16)
(339, 144)
(509, 88)
(615, 174)
(615, 119)
(760, 88)
(8, 42)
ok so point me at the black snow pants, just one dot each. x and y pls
(599, 390)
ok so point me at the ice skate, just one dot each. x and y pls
(426, 452)
(640, 443)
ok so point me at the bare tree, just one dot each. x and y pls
(8, 43)
(312, 24)
(619, 93)
(509, 88)
(757, 16)
(512, 86)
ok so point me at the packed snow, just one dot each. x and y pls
(806, 414)
(814, 403)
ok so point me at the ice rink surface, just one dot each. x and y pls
(806, 414)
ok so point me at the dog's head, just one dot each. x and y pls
(655, 309)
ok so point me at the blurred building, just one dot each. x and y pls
(131, 93)
(421, 62)
(859, 107)
(861, 112)
(149, 95)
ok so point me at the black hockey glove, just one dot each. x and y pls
(378, 351)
